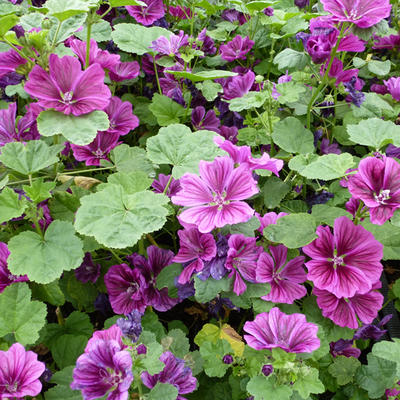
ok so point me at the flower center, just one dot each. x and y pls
(337, 260)
(98, 153)
(382, 196)
(219, 200)
(133, 288)
(12, 277)
(67, 97)
(12, 387)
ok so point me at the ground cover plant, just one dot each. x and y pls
(199, 199)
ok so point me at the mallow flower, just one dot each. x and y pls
(146, 15)
(170, 47)
(236, 49)
(9, 61)
(346, 262)
(6, 277)
(393, 86)
(292, 333)
(67, 88)
(214, 199)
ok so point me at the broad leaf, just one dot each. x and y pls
(163, 391)
(67, 349)
(80, 130)
(261, 388)
(101, 32)
(344, 369)
(308, 382)
(166, 110)
(289, 58)
(64, 9)
(39, 190)
(248, 101)
(202, 75)
(325, 214)
(128, 159)
(44, 259)
(7, 22)
(11, 206)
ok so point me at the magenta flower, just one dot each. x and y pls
(242, 261)
(344, 348)
(214, 198)
(97, 150)
(340, 74)
(386, 42)
(106, 369)
(291, 333)
(124, 70)
(147, 15)
(285, 279)
(363, 13)
(180, 12)
(112, 333)
(20, 371)
(393, 86)
(242, 155)
(171, 46)
(88, 271)
(207, 44)
(125, 286)
(229, 133)
(6, 277)
(157, 260)
(377, 184)
(268, 219)
(201, 120)
(122, 119)
(345, 262)
(160, 184)
(344, 311)
(195, 248)
(9, 61)
(175, 373)
(236, 49)
(239, 85)
(67, 88)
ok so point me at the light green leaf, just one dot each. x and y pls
(117, 219)
(202, 75)
(388, 351)
(308, 382)
(67, 349)
(248, 101)
(326, 167)
(344, 369)
(10, 205)
(179, 146)
(380, 68)
(68, 27)
(7, 22)
(63, 391)
(294, 230)
(19, 315)
(166, 110)
(50, 293)
(374, 132)
(163, 391)
(325, 214)
(135, 38)
(39, 190)
(101, 32)
(167, 277)
(120, 3)
(152, 362)
(262, 387)
(132, 182)
(64, 9)
(290, 135)
(30, 157)
(176, 342)
(373, 106)
(289, 58)
(128, 159)
(210, 288)
(80, 130)
(274, 191)
(209, 89)
(44, 259)
(213, 354)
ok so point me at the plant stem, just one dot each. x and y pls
(167, 185)
(87, 170)
(156, 73)
(89, 32)
(151, 240)
(60, 317)
(116, 256)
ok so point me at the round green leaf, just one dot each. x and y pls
(10, 205)
(202, 75)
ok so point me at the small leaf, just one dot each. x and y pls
(7, 22)
(64, 9)
(10, 205)
(80, 130)
(166, 110)
(308, 382)
(209, 89)
(163, 391)
(291, 59)
(101, 32)
(202, 75)
(380, 68)
(39, 190)
(128, 159)
(210, 288)
(344, 369)
(213, 354)
(261, 388)
(248, 101)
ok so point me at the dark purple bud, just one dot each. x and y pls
(46, 376)
(141, 349)
(131, 327)
(227, 359)
(301, 3)
(267, 369)
(269, 11)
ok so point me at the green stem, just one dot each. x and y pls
(53, 45)
(151, 240)
(289, 175)
(358, 213)
(16, 49)
(89, 32)
(60, 317)
(105, 13)
(116, 256)
(156, 73)
(167, 185)
(75, 172)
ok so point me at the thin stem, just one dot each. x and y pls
(89, 32)
(60, 317)
(53, 45)
(87, 170)
(156, 73)
(16, 49)
(167, 185)
(106, 12)
(358, 213)
(151, 240)
(116, 256)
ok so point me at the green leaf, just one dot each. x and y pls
(67, 349)
(132, 182)
(274, 191)
(10, 205)
(128, 159)
(326, 167)
(80, 130)
(7, 22)
(150, 322)
(68, 27)
(166, 279)
(261, 388)
(246, 228)
(213, 354)
(325, 214)
(44, 259)
(64, 9)
(176, 342)
(101, 32)
(19, 315)
(375, 133)
(377, 376)
(294, 230)
(151, 362)
(163, 391)
(290, 135)
(209, 89)
(290, 92)
(166, 110)
(179, 146)
(373, 106)
(210, 288)
(50, 293)
(380, 68)
(344, 369)
(63, 205)
(39, 190)
(248, 101)
(120, 3)
(308, 382)
(63, 391)
(202, 75)
(135, 38)
(291, 59)
(117, 219)
(30, 157)
(388, 351)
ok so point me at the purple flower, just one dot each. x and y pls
(88, 271)
(285, 279)
(344, 348)
(174, 373)
(9, 61)
(346, 262)
(356, 97)
(371, 331)
(147, 15)
(207, 45)
(344, 311)
(229, 133)
(122, 119)
(186, 290)
(393, 86)
(97, 150)
(218, 306)
(319, 198)
(242, 155)
(269, 11)
(319, 47)
(214, 198)
(327, 147)
(201, 120)
(159, 185)
(386, 42)
(6, 277)
(242, 261)
(267, 369)
(227, 359)
(377, 184)
(380, 89)
(268, 219)
(393, 151)
(113, 333)
(232, 15)
(157, 260)
(291, 333)
(124, 70)
(141, 349)
(105, 369)
(10, 78)
(180, 12)
(195, 248)
(67, 88)
(363, 13)
(236, 49)
(131, 327)
(102, 304)
(20, 371)
(171, 46)
(301, 3)
(126, 287)
(285, 78)
(239, 85)
(352, 207)
(339, 73)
